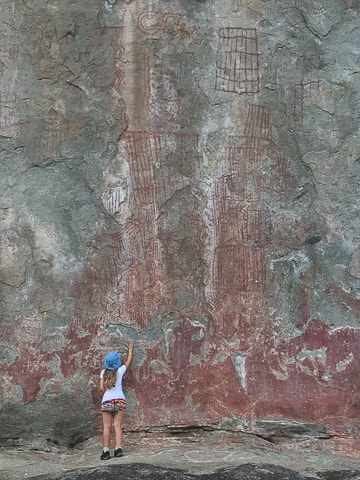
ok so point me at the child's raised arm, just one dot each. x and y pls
(130, 354)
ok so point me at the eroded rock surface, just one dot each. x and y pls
(185, 174)
(244, 472)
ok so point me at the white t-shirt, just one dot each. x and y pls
(116, 391)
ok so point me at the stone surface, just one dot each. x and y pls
(245, 472)
(184, 174)
(204, 456)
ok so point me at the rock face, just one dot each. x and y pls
(244, 472)
(184, 174)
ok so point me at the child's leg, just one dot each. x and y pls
(107, 421)
(118, 416)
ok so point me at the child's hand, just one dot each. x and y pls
(130, 344)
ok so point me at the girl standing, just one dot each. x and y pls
(113, 402)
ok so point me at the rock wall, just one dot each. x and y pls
(184, 173)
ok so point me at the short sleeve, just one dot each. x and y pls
(102, 373)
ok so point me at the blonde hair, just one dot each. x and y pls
(109, 378)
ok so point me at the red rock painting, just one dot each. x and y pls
(237, 63)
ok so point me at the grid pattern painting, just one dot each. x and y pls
(237, 63)
(160, 163)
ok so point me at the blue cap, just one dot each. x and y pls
(112, 361)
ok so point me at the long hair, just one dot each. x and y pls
(109, 378)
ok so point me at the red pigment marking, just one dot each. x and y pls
(239, 268)
(194, 380)
(154, 167)
(257, 122)
(99, 273)
(142, 282)
(27, 370)
(152, 23)
(309, 376)
(81, 350)
(237, 63)
(240, 316)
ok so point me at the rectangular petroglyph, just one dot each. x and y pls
(306, 86)
(302, 92)
(257, 122)
(49, 139)
(233, 222)
(255, 171)
(243, 155)
(240, 268)
(237, 62)
(160, 163)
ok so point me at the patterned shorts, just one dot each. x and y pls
(114, 405)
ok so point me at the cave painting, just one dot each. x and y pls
(237, 61)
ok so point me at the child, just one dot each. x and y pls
(113, 402)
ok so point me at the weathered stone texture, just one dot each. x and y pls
(185, 174)
(244, 472)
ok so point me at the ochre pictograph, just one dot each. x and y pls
(257, 174)
(47, 143)
(119, 50)
(255, 178)
(240, 315)
(257, 122)
(112, 37)
(141, 280)
(160, 163)
(237, 62)
(243, 154)
(174, 23)
(239, 268)
(302, 92)
(254, 171)
(7, 116)
(248, 227)
(142, 299)
(249, 152)
(234, 194)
